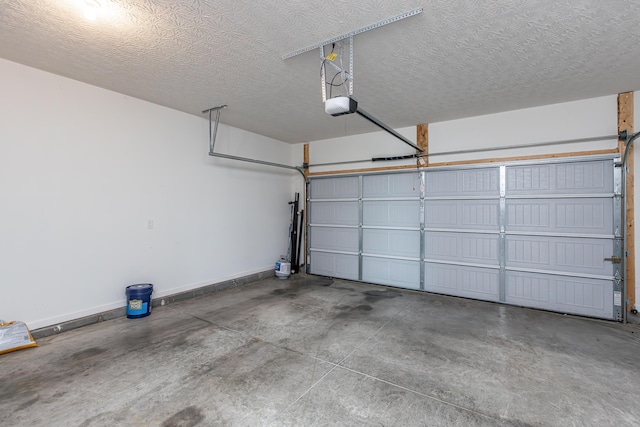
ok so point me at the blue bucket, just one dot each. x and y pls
(139, 300)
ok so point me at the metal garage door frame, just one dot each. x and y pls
(348, 262)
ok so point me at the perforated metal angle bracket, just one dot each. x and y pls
(353, 33)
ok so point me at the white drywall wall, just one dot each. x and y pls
(572, 120)
(83, 172)
(587, 118)
(360, 147)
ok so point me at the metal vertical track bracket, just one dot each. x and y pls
(618, 273)
(503, 243)
(360, 225)
(422, 176)
(213, 132)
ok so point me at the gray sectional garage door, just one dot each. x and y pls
(543, 235)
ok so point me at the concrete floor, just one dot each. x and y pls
(312, 351)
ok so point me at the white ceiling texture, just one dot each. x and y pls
(455, 59)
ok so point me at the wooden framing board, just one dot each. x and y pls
(422, 141)
(469, 162)
(531, 157)
(625, 122)
(625, 116)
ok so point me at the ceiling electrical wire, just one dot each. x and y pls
(344, 75)
(332, 85)
(324, 60)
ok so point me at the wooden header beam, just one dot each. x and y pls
(471, 162)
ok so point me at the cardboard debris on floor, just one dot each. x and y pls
(15, 336)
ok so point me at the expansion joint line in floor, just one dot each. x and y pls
(338, 364)
(428, 396)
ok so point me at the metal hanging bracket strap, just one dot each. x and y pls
(353, 33)
(213, 130)
(212, 135)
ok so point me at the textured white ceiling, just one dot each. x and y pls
(456, 59)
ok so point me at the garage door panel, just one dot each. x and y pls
(463, 247)
(337, 239)
(534, 235)
(584, 177)
(462, 214)
(579, 215)
(397, 185)
(334, 265)
(464, 281)
(574, 255)
(392, 272)
(335, 188)
(391, 213)
(400, 243)
(471, 182)
(334, 213)
(584, 296)
(528, 179)
(560, 178)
